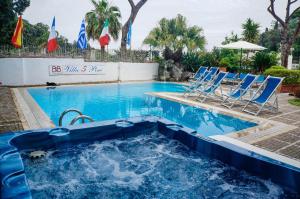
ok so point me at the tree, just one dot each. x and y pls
(231, 38)
(175, 34)
(270, 38)
(8, 17)
(95, 20)
(134, 11)
(288, 37)
(250, 31)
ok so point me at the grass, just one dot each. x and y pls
(295, 102)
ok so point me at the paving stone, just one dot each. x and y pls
(271, 144)
(287, 137)
(9, 117)
(291, 151)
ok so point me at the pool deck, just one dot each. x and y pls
(278, 133)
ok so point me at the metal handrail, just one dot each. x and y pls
(65, 112)
(81, 117)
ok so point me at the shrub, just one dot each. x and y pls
(291, 76)
(209, 59)
(263, 60)
(225, 62)
(191, 62)
(278, 67)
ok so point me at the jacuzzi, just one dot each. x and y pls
(143, 157)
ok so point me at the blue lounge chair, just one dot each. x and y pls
(200, 73)
(231, 78)
(241, 89)
(242, 76)
(260, 79)
(210, 89)
(208, 76)
(264, 94)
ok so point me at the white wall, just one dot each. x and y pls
(35, 71)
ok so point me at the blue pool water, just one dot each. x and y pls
(113, 101)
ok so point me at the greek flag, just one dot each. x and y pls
(82, 41)
(129, 35)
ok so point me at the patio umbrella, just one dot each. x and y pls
(243, 45)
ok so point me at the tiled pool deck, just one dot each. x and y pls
(279, 133)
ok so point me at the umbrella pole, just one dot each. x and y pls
(241, 57)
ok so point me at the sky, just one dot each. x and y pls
(217, 17)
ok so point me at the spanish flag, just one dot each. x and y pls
(16, 40)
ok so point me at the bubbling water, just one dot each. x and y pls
(146, 166)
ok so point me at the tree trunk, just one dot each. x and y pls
(285, 47)
(134, 10)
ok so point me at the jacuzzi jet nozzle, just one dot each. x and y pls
(37, 154)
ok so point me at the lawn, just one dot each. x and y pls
(295, 102)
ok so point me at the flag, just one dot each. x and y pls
(104, 37)
(52, 42)
(16, 39)
(129, 34)
(82, 41)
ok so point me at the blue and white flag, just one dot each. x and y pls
(82, 41)
(129, 35)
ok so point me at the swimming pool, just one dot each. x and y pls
(113, 101)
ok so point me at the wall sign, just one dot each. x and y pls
(76, 70)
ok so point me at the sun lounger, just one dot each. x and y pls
(239, 91)
(262, 97)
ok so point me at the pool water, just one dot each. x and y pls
(146, 166)
(113, 101)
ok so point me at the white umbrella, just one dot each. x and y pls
(243, 45)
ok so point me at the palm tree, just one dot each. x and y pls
(95, 20)
(250, 31)
(175, 34)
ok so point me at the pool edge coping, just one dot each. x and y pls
(34, 116)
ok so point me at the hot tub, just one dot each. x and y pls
(144, 157)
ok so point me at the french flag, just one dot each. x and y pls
(52, 42)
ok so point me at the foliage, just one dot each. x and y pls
(170, 55)
(295, 102)
(209, 59)
(175, 34)
(264, 60)
(250, 31)
(191, 61)
(35, 35)
(291, 76)
(270, 38)
(95, 20)
(8, 17)
(277, 67)
(231, 38)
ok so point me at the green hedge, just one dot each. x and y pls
(291, 76)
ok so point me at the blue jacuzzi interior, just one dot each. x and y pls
(113, 101)
(145, 157)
